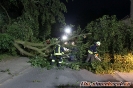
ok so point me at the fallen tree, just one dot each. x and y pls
(43, 48)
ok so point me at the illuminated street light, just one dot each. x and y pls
(64, 37)
(68, 30)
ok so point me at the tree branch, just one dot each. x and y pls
(40, 51)
(68, 40)
(6, 13)
(21, 50)
(29, 43)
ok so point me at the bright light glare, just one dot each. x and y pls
(66, 43)
(68, 30)
(64, 37)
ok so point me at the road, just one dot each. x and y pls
(43, 78)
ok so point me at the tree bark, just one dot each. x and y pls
(22, 51)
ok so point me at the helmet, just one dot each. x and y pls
(98, 43)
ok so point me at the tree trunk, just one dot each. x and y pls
(131, 9)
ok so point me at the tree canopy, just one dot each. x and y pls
(39, 14)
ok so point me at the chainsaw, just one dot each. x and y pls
(96, 57)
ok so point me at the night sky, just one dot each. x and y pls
(84, 11)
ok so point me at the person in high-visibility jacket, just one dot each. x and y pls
(57, 54)
(92, 52)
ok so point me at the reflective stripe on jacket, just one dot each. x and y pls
(53, 60)
(93, 49)
(58, 51)
(90, 52)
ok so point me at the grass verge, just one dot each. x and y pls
(4, 57)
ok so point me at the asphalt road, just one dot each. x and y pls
(43, 78)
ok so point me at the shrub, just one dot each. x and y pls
(121, 63)
(115, 36)
(21, 30)
(116, 45)
(40, 61)
(6, 44)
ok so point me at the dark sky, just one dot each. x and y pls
(92, 9)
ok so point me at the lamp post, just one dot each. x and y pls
(68, 30)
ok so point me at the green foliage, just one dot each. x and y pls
(5, 41)
(37, 16)
(6, 44)
(81, 46)
(36, 81)
(5, 56)
(74, 65)
(39, 61)
(45, 13)
(2, 22)
(115, 36)
(21, 30)
(122, 64)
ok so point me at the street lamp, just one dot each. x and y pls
(68, 30)
(64, 37)
(67, 33)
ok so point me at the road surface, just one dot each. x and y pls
(43, 78)
(19, 74)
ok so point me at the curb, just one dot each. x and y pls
(127, 77)
(117, 74)
(118, 77)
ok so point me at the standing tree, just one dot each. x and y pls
(40, 14)
(35, 20)
(44, 13)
